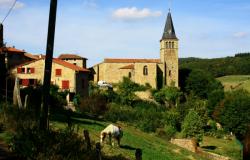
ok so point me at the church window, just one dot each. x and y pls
(145, 70)
(169, 73)
(129, 75)
(172, 44)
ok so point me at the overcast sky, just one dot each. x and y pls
(98, 29)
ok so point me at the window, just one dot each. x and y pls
(33, 82)
(169, 73)
(58, 72)
(25, 82)
(30, 70)
(74, 64)
(22, 70)
(145, 70)
(19, 70)
(129, 75)
(65, 84)
(172, 44)
(166, 44)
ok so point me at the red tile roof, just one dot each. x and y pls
(12, 50)
(60, 62)
(69, 65)
(31, 56)
(70, 56)
(131, 66)
(110, 60)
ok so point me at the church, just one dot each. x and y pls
(156, 72)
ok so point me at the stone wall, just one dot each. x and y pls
(189, 144)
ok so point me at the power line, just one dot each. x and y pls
(8, 13)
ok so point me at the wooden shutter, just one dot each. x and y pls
(58, 72)
(65, 84)
(32, 70)
(25, 82)
(19, 70)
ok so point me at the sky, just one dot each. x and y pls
(98, 29)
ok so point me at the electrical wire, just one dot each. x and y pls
(8, 13)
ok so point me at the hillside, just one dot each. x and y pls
(238, 65)
(235, 82)
(153, 147)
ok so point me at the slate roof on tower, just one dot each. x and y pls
(169, 32)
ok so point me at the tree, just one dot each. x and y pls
(202, 84)
(168, 96)
(234, 115)
(126, 90)
(193, 126)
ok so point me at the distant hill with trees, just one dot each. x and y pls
(218, 67)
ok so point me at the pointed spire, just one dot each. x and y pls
(169, 32)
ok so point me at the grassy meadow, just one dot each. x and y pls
(236, 82)
(153, 147)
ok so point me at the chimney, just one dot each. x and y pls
(1, 35)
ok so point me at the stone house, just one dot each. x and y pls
(74, 59)
(66, 75)
(156, 72)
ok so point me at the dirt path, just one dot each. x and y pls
(5, 153)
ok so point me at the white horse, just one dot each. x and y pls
(113, 132)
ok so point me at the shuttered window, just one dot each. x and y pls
(25, 82)
(65, 84)
(19, 70)
(58, 72)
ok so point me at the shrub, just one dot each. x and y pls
(168, 95)
(126, 91)
(95, 105)
(167, 132)
(172, 118)
(31, 143)
(117, 112)
(193, 126)
(149, 120)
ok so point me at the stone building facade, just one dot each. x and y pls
(65, 75)
(156, 72)
(74, 59)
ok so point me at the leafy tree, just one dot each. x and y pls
(193, 126)
(234, 116)
(168, 95)
(214, 98)
(126, 90)
(202, 84)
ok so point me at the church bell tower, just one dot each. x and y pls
(169, 54)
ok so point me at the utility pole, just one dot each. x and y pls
(44, 121)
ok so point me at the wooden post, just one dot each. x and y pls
(87, 139)
(138, 154)
(44, 121)
(98, 151)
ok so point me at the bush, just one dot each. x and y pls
(169, 96)
(193, 126)
(149, 120)
(167, 132)
(126, 91)
(120, 113)
(172, 118)
(95, 105)
(31, 143)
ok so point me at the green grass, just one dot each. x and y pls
(229, 148)
(153, 147)
(236, 82)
